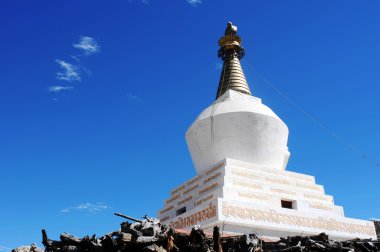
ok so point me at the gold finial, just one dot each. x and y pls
(230, 41)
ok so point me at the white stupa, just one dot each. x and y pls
(239, 149)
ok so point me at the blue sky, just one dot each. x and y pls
(96, 97)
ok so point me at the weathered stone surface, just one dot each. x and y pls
(31, 248)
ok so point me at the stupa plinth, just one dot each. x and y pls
(239, 150)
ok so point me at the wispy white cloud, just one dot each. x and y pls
(57, 89)
(87, 207)
(88, 45)
(3, 248)
(194, 2)
(87, 71)
(133, 97)
(141, 1)
(73, 71)
(75, 58)
(375, 219)
(69, 72)
(218, 66)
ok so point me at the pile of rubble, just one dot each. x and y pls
(321, 242)
(150, 235)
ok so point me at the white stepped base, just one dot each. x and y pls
(245, 198)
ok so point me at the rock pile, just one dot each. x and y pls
(150, 235)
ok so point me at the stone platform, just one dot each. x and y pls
(242, 197)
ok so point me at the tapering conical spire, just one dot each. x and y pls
(231, 52)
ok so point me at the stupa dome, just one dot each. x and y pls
(238, 126)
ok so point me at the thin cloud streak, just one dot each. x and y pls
(146, 2)
(133, 97)
(88, 45)
(194, 2)
(69, 72)
(57, 89)
(218, 66)
(75, 58)
(3, 248)
(87, 207)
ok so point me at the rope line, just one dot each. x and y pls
(340, 139)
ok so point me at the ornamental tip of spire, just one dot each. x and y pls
(230, 30)
(230, 42)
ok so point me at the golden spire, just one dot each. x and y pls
(231, 52)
